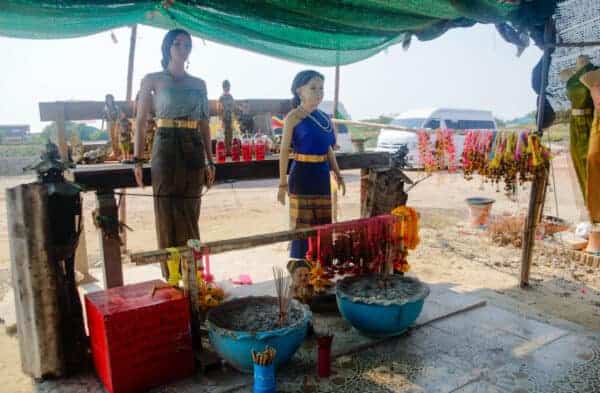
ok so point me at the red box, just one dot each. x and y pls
(138, 340)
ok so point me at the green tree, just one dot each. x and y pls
(84, 132)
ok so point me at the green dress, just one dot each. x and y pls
(580, 125)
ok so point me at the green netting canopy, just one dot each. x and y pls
(318, 32)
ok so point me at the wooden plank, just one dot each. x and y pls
(34, 281)
(94, 110)
(221, 246)
(110, 244)
(95, 177)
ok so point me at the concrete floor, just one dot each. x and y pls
(487, 349)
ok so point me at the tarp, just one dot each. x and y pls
(318, 32)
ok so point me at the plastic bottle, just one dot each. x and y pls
(259, 146)
(246, 148)
(236, 149)
(220, 149)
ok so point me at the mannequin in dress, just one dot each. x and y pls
(181, 155)
(582, 115)
(592, 81)
(310, 133)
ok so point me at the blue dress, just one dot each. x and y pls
(309, 180)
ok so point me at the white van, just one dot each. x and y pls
(458, 120)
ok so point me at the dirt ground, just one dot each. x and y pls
(451, 252)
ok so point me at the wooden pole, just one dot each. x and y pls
(336, 94)
(128, 94)
(61, 135)
(109, 238)
(540, 180)
(132, 42)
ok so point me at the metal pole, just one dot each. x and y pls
(128, 94)
(541, 178)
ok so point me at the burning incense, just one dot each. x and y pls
(284, 290)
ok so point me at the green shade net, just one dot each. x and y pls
(318, 32)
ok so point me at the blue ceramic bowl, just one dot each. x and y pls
(236, 347)
(380, 317)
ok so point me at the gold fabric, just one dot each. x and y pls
(580, 125)
(581, 112)
(593, 171)
(171, 123)
(310, 157)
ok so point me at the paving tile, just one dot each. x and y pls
(569, 364)
(493, 318)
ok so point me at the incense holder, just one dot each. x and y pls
(240, 326)
(379, 311)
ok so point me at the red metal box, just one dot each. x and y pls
(139, 340)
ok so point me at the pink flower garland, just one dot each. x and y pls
(425, 155)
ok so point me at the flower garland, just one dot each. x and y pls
(443, 155)
(509, 157)
(425, 155)
(406, 229)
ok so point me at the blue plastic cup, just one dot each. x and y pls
(264, 378)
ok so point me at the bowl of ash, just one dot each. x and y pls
(379, 307)
(240, 326)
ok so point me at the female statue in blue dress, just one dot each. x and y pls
(309, 132)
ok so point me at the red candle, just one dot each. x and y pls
(324, 356)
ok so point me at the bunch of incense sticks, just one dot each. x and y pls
(264, 358)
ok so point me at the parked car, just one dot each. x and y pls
(458, 120)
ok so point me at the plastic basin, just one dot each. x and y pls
(377, 317)
(236, 347)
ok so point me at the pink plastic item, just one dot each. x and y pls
(243, 279)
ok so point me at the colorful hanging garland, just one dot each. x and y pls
(509, 157)
(362, 246)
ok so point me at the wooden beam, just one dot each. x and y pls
(379, 125)
(95, 177)
(221, 246)
(94, 110)
(110, 244)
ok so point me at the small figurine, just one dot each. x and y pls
(125, 133)
(111, 116)
(300, 271)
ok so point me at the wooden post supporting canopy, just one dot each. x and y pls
(540, 181)
(108, 220)
(128, 95)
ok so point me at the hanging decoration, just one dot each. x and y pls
(363, 246)
(509, 157)
(443, 154)
(512, 157)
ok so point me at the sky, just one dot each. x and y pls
(465, 68)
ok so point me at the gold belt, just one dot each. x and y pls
(582, 112)
(310, 157)
(170, 123)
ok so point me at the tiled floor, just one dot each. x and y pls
(486, 349)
